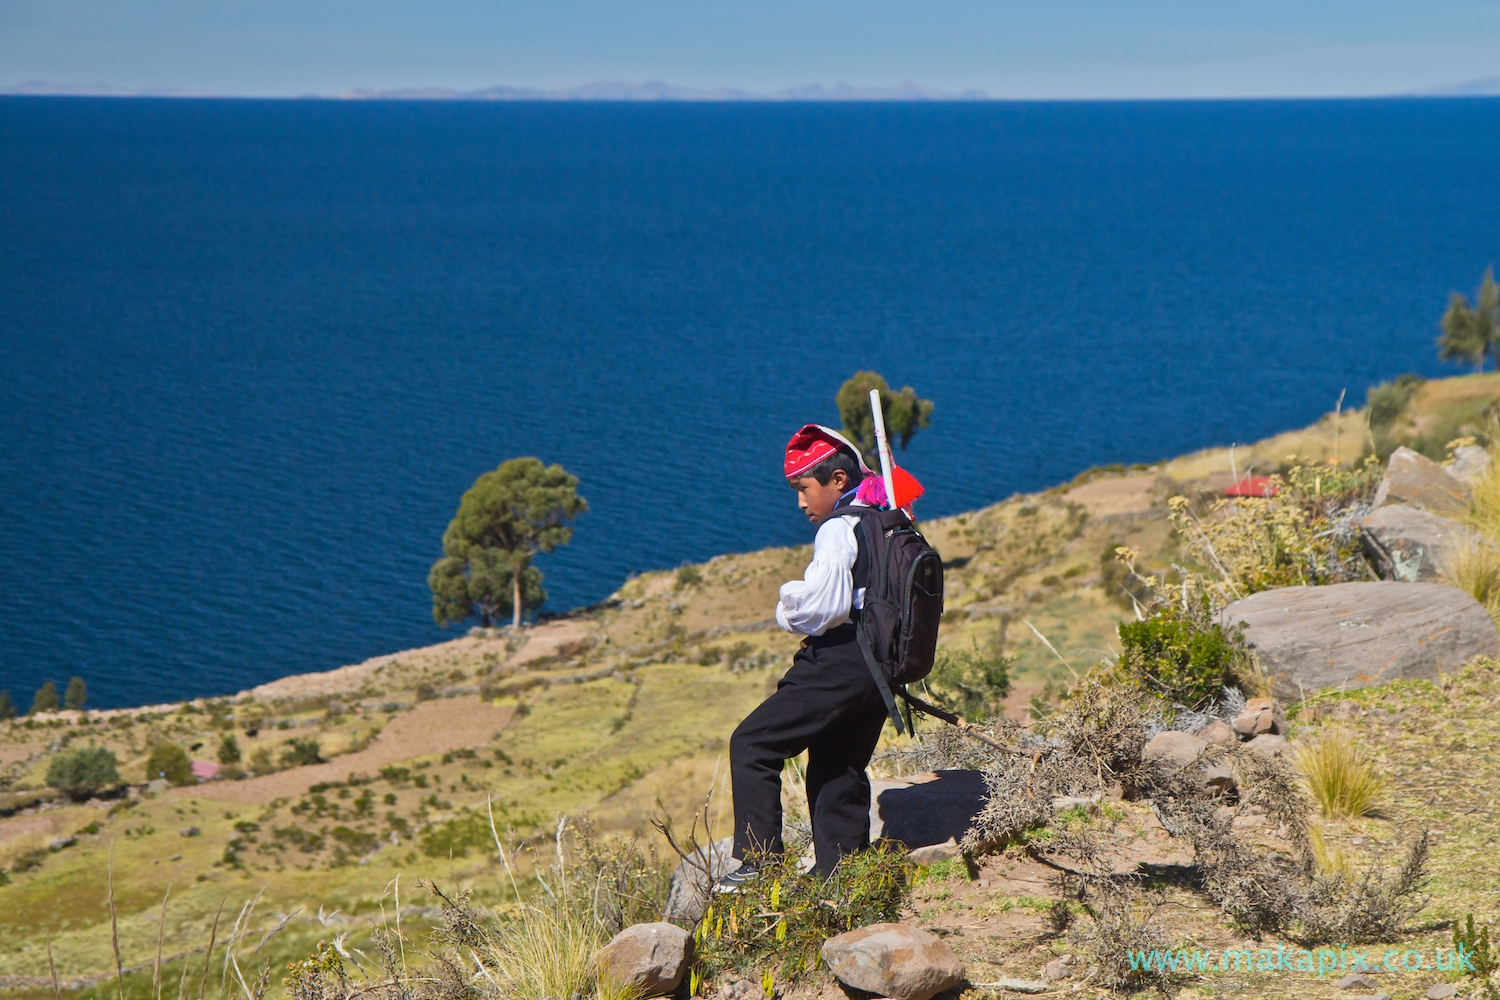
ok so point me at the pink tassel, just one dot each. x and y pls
(871, 491)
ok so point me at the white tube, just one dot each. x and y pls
(884, 447)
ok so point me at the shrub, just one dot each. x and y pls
(1342, 781)
(302, 750)
(968, 682)
(778, 921)
(688, 576)
(229, 750)
(83, 773)
(1386, 400)
(1181, 654)
(261, 761)
(168, 760)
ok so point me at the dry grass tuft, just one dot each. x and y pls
(1342, 781)
(1473, 566)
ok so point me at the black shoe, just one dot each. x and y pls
(736, 879)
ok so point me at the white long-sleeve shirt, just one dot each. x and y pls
(824, 596)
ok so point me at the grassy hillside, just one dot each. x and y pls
(618, 712)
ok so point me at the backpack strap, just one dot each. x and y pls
(862, 535)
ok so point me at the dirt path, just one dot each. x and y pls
(430, 727)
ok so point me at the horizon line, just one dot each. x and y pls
(655, 91)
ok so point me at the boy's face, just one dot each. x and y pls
(816, 499)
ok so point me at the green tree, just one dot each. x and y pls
(1472, 332)
(83, 773)
(77, 694)
(169, 761)
(904, 412)
(46, 699)
(7, 707)
(503, 521)
(229, 749)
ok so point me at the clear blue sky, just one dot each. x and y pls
(1038, 48)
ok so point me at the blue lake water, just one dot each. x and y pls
(254, 351)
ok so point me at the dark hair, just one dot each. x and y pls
(840, 459)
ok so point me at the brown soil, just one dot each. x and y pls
(429, 728)
(1121, 495)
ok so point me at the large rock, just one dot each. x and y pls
(687, 896)
(1176, 750)
(893, 960)
(1352, 635)
(1261, 715)
(1415, 479)
(650, 958)
(1469, 463)
(920, 810)
(1404, 543)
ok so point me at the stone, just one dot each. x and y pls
(1404, 543)
(1010, 985)
(60, 843)
(1270, 744)
(934, 853)
(1469, 463)
(1058, 968)
(1441, 991)
(1217, 732)
(1415, 479)
(1261, 715)
(1176, 750)
(687, 894)
(1357, 981)
(1353, 635)
(1372, 996)
(157, 786)
(920, 810)
(649, 958)
(893, 960)
(189, 831)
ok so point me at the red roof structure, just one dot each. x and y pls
(1252, 486)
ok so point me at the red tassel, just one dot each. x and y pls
(908, 490)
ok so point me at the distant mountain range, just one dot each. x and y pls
(605, 90)
(652, 90)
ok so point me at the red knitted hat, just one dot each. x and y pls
(812, 444)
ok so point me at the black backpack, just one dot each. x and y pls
(898, 627)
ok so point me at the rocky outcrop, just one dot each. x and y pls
(687, 896)
(920, 810)
(649, 958)
(893, 960)
(1352, 635)
(1415, 479)
(1261, 715)
(1404, 543)
(1469, 463)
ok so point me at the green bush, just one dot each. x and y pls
(302, 750)
(1181, 654)
(229, 750)
(776, 923)
(169, 761)
(968, 682)
(1388, 399)
(83, 773)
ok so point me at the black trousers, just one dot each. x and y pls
(828, 705)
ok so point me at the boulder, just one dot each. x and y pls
(920, 810)
(1270, 744)
(649, 958)
(1415, 479)
(188, 831)
(893, 960)
(1218, 732)
(1177, 750)
(1404, 543)
(687, 894)
(1441, 991)
(1469, 463)
(1353, 635)
(1059, 968)
(935, 853)
(1261, 715)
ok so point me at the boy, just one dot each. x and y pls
(827, 704)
